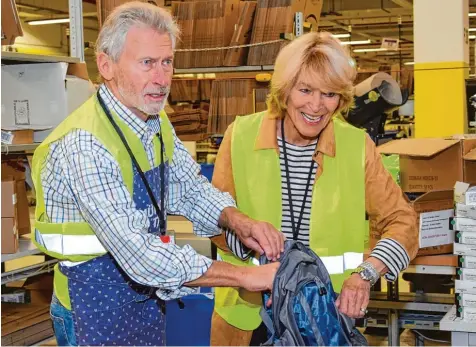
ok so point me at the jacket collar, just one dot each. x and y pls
(267, 138)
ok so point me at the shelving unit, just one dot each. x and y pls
(29, 271)
(28, 148)
(463, 332)
(10, 58)
(26, 248)
(221, 69)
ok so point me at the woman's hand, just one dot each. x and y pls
(354, 297)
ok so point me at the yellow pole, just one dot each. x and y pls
(441, 44)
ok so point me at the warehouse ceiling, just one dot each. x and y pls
(364, 19)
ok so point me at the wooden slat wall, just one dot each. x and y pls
(241, 35)
(202, 24)
(229, 98)
(272, 18)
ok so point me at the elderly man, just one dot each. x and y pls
(105, 179)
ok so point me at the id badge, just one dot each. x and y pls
(169, 237)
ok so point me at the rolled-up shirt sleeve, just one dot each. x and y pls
(392, 218)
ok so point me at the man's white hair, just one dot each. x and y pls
(113, 33)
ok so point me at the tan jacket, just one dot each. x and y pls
(390, 213)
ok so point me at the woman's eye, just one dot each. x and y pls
(305, 91)
(329, 95)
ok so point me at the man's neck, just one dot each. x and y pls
(113, 88)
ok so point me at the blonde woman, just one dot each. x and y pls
(310, 174)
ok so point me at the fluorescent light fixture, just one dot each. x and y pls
(409, 63)
(362, 50)
(49, 21)
(472, 14)
(472, 37)
(363, 42)
(342, 36)
(471, 29)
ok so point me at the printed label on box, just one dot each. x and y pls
(22, 112)
(468, 211)
(7, 137)
(463, 224)
(467, 274)
(466, 237)
(471, 198)
(434, 228)
(468, 313)
(468, 262)
(464, 249)
(465, 287)
(468, 300)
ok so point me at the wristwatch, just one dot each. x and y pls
(367, 272)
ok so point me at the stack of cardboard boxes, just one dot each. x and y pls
(464, 226)
(429, 169)
(15, 210)
(9, 217)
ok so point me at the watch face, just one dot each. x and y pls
(366, 275)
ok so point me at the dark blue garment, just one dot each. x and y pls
(62, 324)
(108, 307)
(303, 310)
(142, 199)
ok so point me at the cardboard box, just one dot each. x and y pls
(15, 169)
(431, 164)
(469, 166)
(9, 236)
(20, 137)
(40, 96)
(9, 199)
(465, 195)
(436, 260)
(465, 287)
(11, 25)
(467, 313)
(466, 274)
(40, 288)
(465, 237)
(436, 201)
(464, 249)
(463, 210)
(468, 300)
(463, 224)
(311, 10)
(467, 262)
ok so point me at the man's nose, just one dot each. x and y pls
(159, 76)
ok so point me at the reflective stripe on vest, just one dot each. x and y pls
(338, 231)
(70, 244)
(338, 264)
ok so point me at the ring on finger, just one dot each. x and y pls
(363, 310)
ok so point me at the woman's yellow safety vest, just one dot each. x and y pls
(338, 230)
(76, 241)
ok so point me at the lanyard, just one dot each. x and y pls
(159, 211)
(295, 227)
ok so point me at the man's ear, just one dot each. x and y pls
(105, 66)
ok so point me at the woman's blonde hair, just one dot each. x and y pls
(319, 56)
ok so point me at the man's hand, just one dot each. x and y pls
(259, 278)
(261, 237)
(354, 297)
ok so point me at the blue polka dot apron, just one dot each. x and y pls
(108, 307)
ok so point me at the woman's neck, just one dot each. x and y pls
(291, 134)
